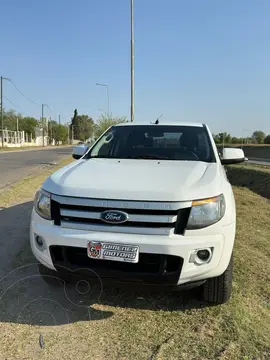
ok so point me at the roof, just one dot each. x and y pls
(178, 123)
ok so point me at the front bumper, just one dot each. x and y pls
(165, 246)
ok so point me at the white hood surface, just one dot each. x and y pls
(132, 179)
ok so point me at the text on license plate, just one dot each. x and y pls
(114, 252)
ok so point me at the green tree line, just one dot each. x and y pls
(15, 121)
(258, 137)
(82, 127)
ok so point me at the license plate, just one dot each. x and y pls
(114, 252)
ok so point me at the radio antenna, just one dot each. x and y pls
(157, 121)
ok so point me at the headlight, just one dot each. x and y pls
(43, 204)
(206, 212)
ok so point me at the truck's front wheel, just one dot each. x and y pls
(218, 290)
(50, 276)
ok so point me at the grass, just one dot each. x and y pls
(135, 325)
(254, 177)
(249, 166)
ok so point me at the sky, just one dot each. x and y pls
(195, 60)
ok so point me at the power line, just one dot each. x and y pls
(33, 102)
(9, 101)
(49, 108)
(22, 114)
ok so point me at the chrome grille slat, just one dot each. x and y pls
(144, 217)
(122, 204)
(117, 229)
(132, 218)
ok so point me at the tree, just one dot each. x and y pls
(258, 136)
(73, 125)
(86, 127)
(223, 138)
(82, 125)
(267, 139)
(10, 120)
(235, 140)
(51, 130)
(57, 132)
(60, 133)
(216, 139)
(105, 121)
(28, 125)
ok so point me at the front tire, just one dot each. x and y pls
(218, 290)
(51, 277)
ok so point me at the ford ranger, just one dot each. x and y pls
(146, 204)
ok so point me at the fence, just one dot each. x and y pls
(16, 139)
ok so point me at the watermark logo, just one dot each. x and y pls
(27, 297)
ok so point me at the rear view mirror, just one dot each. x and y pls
(79, 151)
(232, 156)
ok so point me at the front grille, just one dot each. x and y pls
(151, 218)
(151, 268)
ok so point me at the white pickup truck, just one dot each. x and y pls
(147, 204)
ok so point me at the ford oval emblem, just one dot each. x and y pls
(114, 217)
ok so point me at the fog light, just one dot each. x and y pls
(204, 255)
(40, 241)
(201, 256)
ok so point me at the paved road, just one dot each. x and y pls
(16, 165)
(259, 162)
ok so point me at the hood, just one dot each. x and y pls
(130, 179)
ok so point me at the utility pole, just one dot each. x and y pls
(132, 60)
(52, 135)
(2, 110)
(18, 130)
(43, 125)
(49, 127)
(59, 118)
(42, 113)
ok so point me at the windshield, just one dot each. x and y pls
(161, 142)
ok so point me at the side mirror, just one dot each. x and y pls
(79, 151)
(232, 156)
